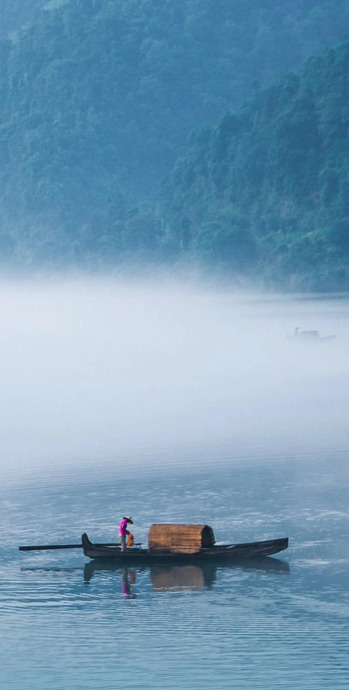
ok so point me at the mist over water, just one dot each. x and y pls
(94, 370)
(106, 387)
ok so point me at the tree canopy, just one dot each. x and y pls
(267, 188)
(98, 99)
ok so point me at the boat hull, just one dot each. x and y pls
(219, 554)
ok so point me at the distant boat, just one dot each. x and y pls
(309, 336)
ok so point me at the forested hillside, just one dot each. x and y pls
(98, 98)
(266, 191)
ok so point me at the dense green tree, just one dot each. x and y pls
(280, 165)
(98, 99)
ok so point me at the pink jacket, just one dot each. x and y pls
(122, 529)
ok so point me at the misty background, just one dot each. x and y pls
(121, 372)
(203, 142)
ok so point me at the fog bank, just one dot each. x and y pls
(99, 370)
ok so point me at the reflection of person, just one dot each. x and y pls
(123, 531)
(128, 579)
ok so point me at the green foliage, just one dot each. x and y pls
(98, 99)
(282, 164)
(225, 242)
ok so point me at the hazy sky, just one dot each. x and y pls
(96, 369)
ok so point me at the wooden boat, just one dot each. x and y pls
(218, 553)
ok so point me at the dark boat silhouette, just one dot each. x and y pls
(218, 554)
(309, 336)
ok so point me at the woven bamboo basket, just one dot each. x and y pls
(180, 538)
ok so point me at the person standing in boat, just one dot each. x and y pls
(123, 531)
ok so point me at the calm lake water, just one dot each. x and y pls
(172, 405)
(67, 624)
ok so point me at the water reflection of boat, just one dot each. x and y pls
(177, 577)
(271, 565)
(309, 336)
(217, 554)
